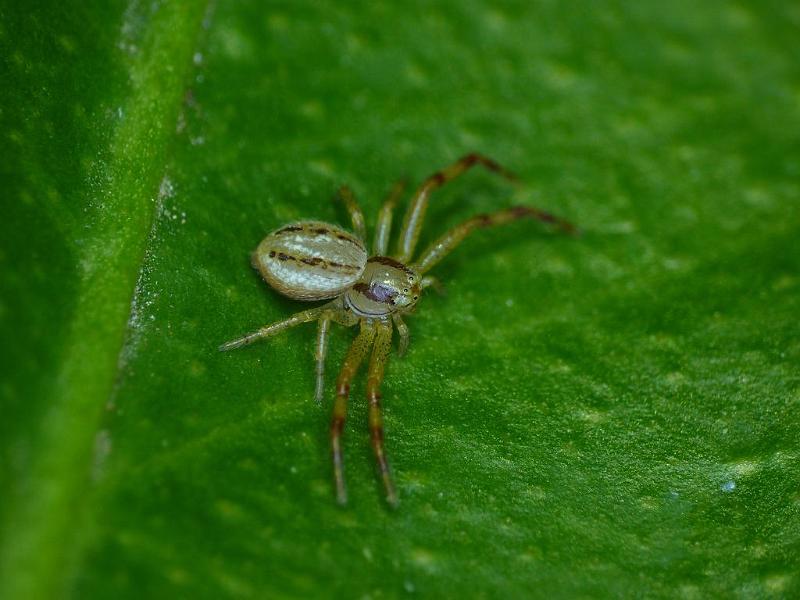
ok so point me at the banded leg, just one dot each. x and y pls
(412, 223)
(356, 216)
(273, 328)
(384, 225)
(445, 244)
(402, 330)
(321, 352)
(358, 350)
(377, 364)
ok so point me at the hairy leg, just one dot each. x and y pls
(302, 317)
(321, 352)
(402, 330)
(377, 364)
(445, 244)
(412, 223)
(358, 350)
(356, 216)
(384, 225)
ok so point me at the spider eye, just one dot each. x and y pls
(405, 290)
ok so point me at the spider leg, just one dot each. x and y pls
(358, 350)
(377, 364)
(445, 244)
(273, 328)
(433, 282)
(412, 223)
(384, 225)
(321, 352)
(356, 216)
(402, 330)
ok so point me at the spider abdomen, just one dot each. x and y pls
(310, 260)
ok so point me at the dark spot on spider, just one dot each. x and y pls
(483, 220)
(520, 211)
(311, 261)
(320, 231)
(337, 265)
(282, 256)
(437, 178)
(390, 262)
(272, 254)
(288, 229)
(377, 292)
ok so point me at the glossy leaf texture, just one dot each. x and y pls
(612, 415)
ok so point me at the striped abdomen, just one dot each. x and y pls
(310, 260)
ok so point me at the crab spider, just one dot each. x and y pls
(312, 260)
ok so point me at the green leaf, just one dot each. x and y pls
(612, 415)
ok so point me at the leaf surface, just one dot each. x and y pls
(611, 415)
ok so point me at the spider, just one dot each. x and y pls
(311, 260)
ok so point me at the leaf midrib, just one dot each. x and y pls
(41, 538)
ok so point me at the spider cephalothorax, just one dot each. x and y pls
(312, 260)
(386, 287)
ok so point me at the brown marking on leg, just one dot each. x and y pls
(483, 220)
(376, 436)
(355, 355)
(412, 223)
(377, 365)
(520, 211)
(337, 427)
(527, 211)
(474, 158)
(437, 179)
(445, 244)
